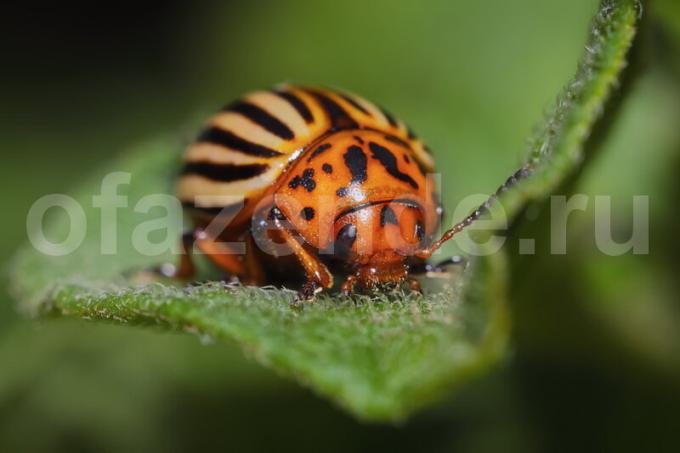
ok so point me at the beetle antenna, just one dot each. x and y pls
(516, 177)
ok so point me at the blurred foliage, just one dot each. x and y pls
(594, 337)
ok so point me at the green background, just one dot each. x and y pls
(595, 359)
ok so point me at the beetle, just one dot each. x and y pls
(344, 185)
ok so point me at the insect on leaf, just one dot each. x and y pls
(380, 357)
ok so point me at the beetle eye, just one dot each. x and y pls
(345, 240)
(275, 213)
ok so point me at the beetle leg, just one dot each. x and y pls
(308, 291)
(318, 275)
(253, 267)
(186, 269)
(215, 251)
(414, 285)
(348, 285)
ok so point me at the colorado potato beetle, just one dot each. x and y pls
(308, 180)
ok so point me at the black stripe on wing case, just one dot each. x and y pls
(229, 210)
(338, 116)
(389, 117)
(354, 103)
(297, 103)
(356, 162)
(224, 172)
(217, 136)
(412, 135)
(262, 118)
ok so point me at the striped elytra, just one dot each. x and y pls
(332, 166)
(248, 144)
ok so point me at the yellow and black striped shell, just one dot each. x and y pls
(352, 180)
(246, 147)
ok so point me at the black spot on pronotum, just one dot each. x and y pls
(307, 213)
(307, 180)
(295, 182)
(320, 149)
(356, 161)
(387, 215)
(359, 139)
(389, 161)
(407, 159)
(327, 168)
(342, 192)
(345, 239)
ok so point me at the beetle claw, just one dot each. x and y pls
(414, 285)
(348, 285)
(306, 293)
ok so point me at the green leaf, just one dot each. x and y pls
(380, 357)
